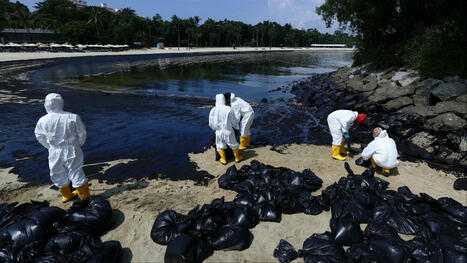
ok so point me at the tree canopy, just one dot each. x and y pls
(92, 25)
(425, 34)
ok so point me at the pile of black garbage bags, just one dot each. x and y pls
(438, 226)
(37, 232)
(264, 193)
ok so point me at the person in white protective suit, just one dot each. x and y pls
(63, 134)
(244, 114)
(382, 151)
(222, 120)
(339, 123)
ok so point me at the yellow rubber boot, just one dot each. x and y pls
(342, 148)
(66, 193)
(373, 164)
(237, 155)
(386, 171)
(335, 153)
(243, 141)
(248, 140)
(223, 160)
(83, 191)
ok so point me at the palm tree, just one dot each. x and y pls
(95, 18)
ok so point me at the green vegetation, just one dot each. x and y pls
(429, 35)
(92, 25)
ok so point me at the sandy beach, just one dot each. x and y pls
(138, 202)
(18, 56)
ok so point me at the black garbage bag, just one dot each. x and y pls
(453, 249)
(12, 213)
(231, 177)
(440, 224)
(365, 197)
(346, 231)
(38, 226)
(288, 203)
(244, 200)
(322, 248)
(361, 162)
(268, 213)
(285, 252)
(187, 249)
(232, 238)
(67, 242)
(385, 244)
(110, 252)
(168, 225)
(245, 186)
(350, 209)
(49, 259)
(93, 214)
(311, 181)
(358, 253)
(401, 222)
(460, 184)
(310, 204)
(454, 209)
(243, 216)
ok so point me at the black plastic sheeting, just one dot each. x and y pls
(37, 232)
(264, 193)
(438, 226)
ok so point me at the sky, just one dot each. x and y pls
(300, 13)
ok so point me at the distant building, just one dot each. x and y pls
(112, 10)
(29, 36)
(80, 3)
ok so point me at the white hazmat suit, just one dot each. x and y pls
(63, 134)
(243, 111)
(339, 122)
(383, 150)
(223, 121)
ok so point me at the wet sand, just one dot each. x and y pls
(138, 202)
(15, 56)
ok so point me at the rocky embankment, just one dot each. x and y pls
(427, 117)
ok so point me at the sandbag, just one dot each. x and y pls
(285, 252)
(232, 238)
(346, 231)
(167, 226)
(93, 213)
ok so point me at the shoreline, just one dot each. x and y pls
(28, 56)
(138, 202)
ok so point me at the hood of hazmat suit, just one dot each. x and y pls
(221, 117)
(239, 106)
(383, 150)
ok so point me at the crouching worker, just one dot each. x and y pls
(339, 123)
(382, 151)
(222, 120)
(244, 114)
(63, 134)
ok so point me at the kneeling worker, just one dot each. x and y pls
(63, 134)
(382, 151)
(339, 123)
(223, 121)
(244, 114)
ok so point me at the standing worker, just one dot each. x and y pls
(382, 151)
(63, 134)
(339, 123)
(244, 114)
(223, 121)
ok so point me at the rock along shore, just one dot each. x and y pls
(426, 117)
